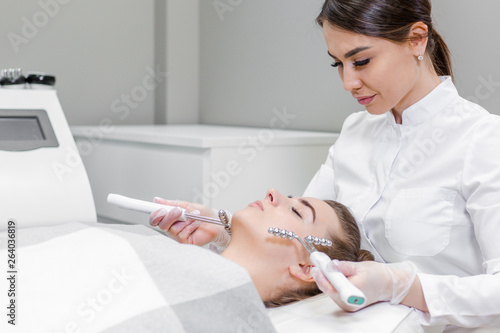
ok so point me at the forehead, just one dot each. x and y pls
(341, 41)
(326, 217)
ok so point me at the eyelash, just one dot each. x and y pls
(356, 64)
(296, 212)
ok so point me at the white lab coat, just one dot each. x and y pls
(427, 191)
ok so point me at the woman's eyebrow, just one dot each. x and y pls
(334, 57)
(352, 52)
(307, 204)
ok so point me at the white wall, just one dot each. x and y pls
(178, 51)
(471, 30)
(263, 55)
(98, 50)
(230, 65)
(258, 55)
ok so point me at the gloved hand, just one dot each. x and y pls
(379, 282)
(190, 231)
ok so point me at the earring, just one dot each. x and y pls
(420, 57)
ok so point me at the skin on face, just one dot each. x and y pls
(303, 216)
(277, 265)
(385, 70)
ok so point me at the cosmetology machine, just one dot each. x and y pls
(42, 177)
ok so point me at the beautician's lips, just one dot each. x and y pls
(258, 204)
(364, 100)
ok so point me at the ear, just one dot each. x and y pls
(301, 272)
(418, 37)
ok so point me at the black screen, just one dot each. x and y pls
(20, 129)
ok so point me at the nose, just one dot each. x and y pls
(351, 79)
(273, 197)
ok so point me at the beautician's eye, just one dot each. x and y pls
(337, 64)
(296, 212)
(362, 63)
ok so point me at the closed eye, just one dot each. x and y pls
(294, 209)
(296, 212)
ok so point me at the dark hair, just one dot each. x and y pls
(346, 246)
(389, 19)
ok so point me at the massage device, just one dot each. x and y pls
(348, 292)
(149, 207)
(40, 163)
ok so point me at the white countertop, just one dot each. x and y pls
(204, 136)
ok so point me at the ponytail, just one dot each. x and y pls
(440, 54)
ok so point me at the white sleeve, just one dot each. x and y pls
(472, 301)
(322, 184)
(475, 300)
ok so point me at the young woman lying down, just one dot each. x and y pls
(281, 268)
(95, 277)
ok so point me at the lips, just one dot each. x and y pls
(257, 204)
(364, 100)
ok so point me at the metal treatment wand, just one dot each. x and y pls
(349, 294)
(149, 207)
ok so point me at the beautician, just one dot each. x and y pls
(420, 169)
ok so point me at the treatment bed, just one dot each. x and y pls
(87, 277)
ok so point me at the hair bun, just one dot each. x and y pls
(365, 255)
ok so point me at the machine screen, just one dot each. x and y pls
(20, 128)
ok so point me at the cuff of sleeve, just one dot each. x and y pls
(492, 266)
(216, 249)
(436, 300)
(461, 301)
(431, 295)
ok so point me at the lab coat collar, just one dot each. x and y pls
(428, 106)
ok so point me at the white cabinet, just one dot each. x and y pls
(224, 167)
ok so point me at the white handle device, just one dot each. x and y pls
(140, 205)
(349, 294)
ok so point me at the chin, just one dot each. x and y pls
(376, 110)
(243, 217)
(247, 223)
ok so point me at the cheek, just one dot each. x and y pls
(240, 215)
(287, 222)
(388, 76)
(245, 218)
(391, 80)
(257, 222)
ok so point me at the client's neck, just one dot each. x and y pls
(264, 275)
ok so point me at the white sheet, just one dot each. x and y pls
(320, 314)
(88, 278)
(103, 282)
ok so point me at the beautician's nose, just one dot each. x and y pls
(351, 79)
(273, 197)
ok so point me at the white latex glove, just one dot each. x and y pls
(190, 231)
(379, 282)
